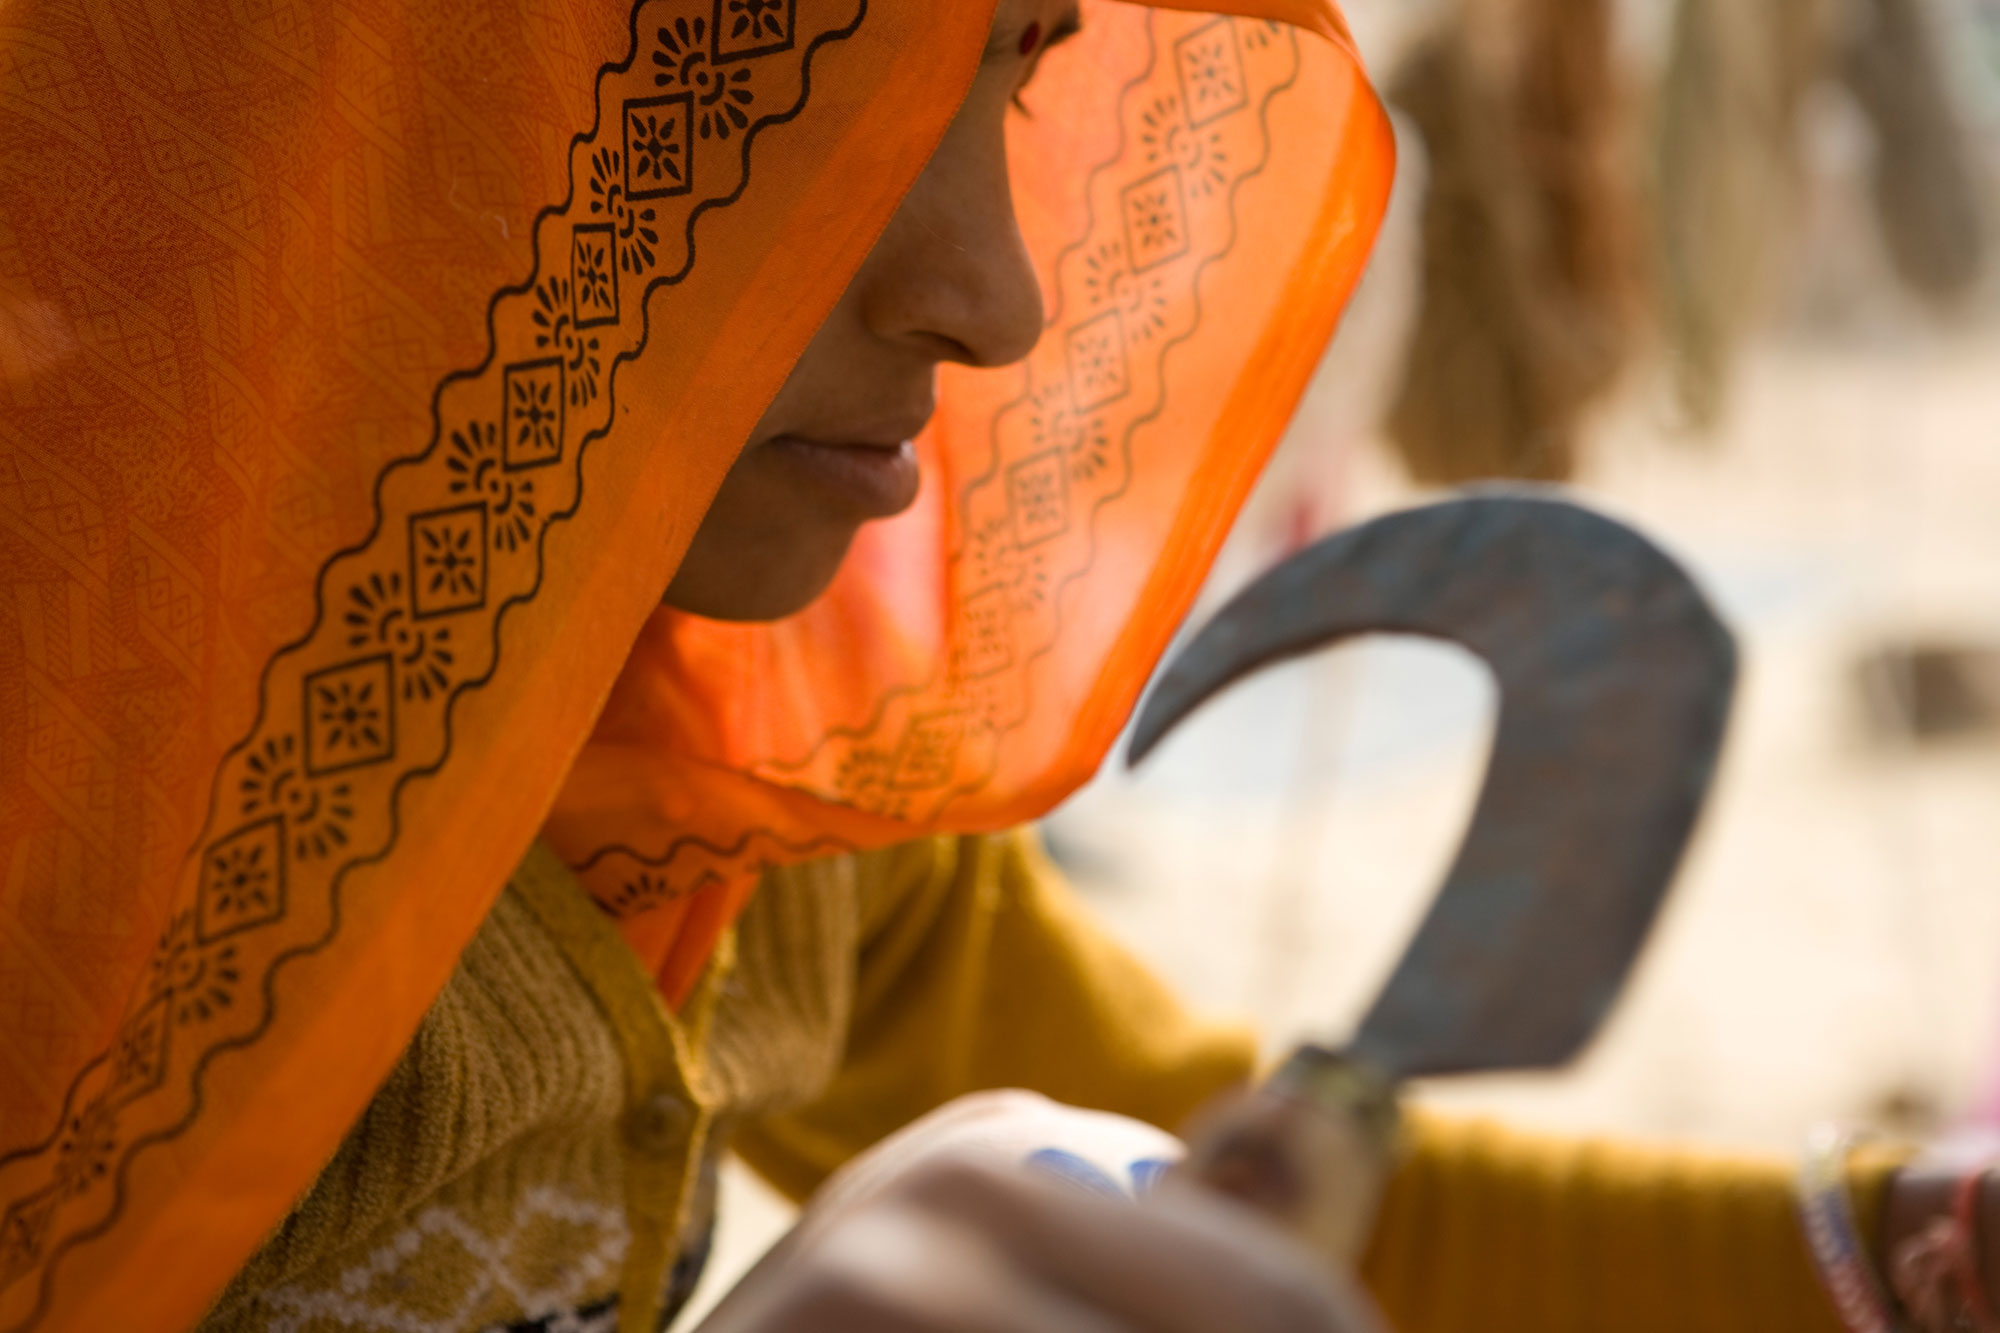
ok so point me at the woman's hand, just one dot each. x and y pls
(956, 1246)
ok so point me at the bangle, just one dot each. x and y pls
(1967, 1209)
(1941, 1262)
(1826, 1213)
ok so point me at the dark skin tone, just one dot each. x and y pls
(954, 1247)
(950, 281)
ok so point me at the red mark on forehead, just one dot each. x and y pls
(1031, 39)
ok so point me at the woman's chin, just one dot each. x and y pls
(741, 586)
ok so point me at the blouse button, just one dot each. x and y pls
(658, 1125)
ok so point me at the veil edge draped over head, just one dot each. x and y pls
(367, 367)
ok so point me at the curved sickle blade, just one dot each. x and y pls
(1615, 683)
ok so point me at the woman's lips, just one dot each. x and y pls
(871, 480)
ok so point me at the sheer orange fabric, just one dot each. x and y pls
(1200, 193)
(365, 367)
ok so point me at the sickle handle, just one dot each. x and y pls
(1312, 1150)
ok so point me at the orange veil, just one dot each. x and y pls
(365, 368)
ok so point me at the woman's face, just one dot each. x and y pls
(949, 280)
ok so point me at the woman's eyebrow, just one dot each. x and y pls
(1008, 43)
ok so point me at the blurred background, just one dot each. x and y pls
(1725, 268)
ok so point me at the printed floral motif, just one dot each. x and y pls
(208, 991)
(1030, 589)
(635, 226)
(424, 665)
(746, 28)
(991, 554)
(594, 274)
(478, 469)
(1261, 34)
(374, 612)
(1108, 280)
(999, 564)
(865, 770)
(165, 963)
(722, 98)
(682, 57)
(558, 334)
(316, 814)
(242, 883)
(928, 751)
(1201, 154)
(197, 980)
(139, 1053)
(657, 154)
(399, 620)
(1083, 439)
(1098, 373)
(658, 146)
(644, 890)
(1038, 497)
(531, 428)
(1104, 272)
(448, 560)
(1155, 213)
(757, 19)
(1210, 65)
(83, 1156)
(1126, 284)
(245, 880)
(350, 717)
(988, 648)
(722, 110)
(1146, 309)
(24, 1230)
(377, 617)
(593, 270)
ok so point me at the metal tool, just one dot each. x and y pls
(1615, 679)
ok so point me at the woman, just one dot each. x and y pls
(373, 370)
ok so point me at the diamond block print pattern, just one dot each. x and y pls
(745, 28)
(1038, 497)
(24, 1230)
(1097, 368)
(350, 716)
(448, 560)
(593, 274)
(659, 146)
(139, 1058)
(928, 751)
(1155, 212)
(242, 881)
(989, 640)
(532, 414)
(1210, 64)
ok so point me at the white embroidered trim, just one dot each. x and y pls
(351, 1303)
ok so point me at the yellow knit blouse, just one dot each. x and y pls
(537, 1160)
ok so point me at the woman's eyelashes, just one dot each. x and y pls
(1028, 74)
(1033, 45)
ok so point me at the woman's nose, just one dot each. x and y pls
(951, 274)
